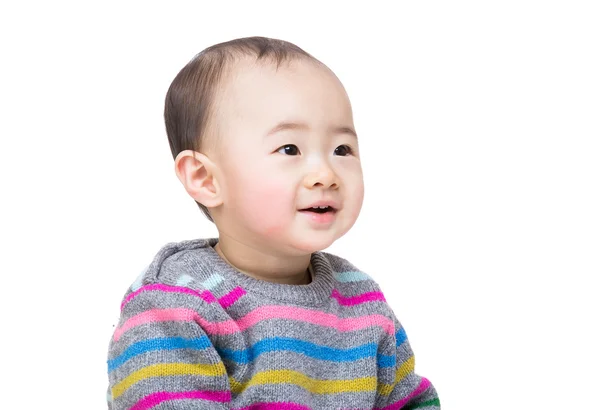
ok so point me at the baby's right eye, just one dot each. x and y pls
(289, 149)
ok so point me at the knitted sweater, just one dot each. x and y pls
(194, 333)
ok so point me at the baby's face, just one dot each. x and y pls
(270, 174)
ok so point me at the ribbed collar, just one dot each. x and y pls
(202, 256)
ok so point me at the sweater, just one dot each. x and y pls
(196, 333)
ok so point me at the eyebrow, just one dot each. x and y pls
(285, 125)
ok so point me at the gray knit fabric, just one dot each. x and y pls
(194, 333)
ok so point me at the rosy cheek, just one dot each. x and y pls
(272, 206)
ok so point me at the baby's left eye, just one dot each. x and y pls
(344, 151)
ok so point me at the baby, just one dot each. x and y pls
(261, 318)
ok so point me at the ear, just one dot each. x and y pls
(197, 174)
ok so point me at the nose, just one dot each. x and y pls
(323, 176)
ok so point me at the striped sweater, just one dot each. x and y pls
(195, 333)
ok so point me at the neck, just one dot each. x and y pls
(264, 265)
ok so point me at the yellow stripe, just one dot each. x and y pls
(315, 386)
(167, 369)
(403, 370)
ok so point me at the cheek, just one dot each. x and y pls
(356, 194)
(360, 195)
(268, 206)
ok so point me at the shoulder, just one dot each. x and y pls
(172, 274)
(176, 264)
(355, 287)
(347, 274)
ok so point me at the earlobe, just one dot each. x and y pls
(197, 174)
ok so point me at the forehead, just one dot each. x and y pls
(256, 96)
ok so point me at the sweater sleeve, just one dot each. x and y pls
(159, 353)
(400, 387)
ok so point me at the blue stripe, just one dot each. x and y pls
(309, 349)
(137, 283)
(213, 281)
(351, 276)
(164, 343)
(386, 361)
(400, 337)
(184, 280)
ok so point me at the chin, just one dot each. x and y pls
(313, 244)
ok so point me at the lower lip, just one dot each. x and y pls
(323, 218)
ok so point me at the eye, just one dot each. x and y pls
(289, 149)
(345, 150)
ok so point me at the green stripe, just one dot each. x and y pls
(434, 402)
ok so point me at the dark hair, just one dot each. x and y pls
(191, 98)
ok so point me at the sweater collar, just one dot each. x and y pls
(204, 257)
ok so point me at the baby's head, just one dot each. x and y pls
(260, 131)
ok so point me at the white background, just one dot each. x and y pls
(479, 125)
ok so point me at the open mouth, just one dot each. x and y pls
(319, 209)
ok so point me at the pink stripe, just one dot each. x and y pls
(176, 315)
(230, 298)
(315, 317)
(157, 398)
(274, 406)
(208, 296)
(400, 403)
(158, 286)
(257, 315)
(357, 299)
(298, 314)
(155, 315)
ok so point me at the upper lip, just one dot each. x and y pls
(329, 203)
